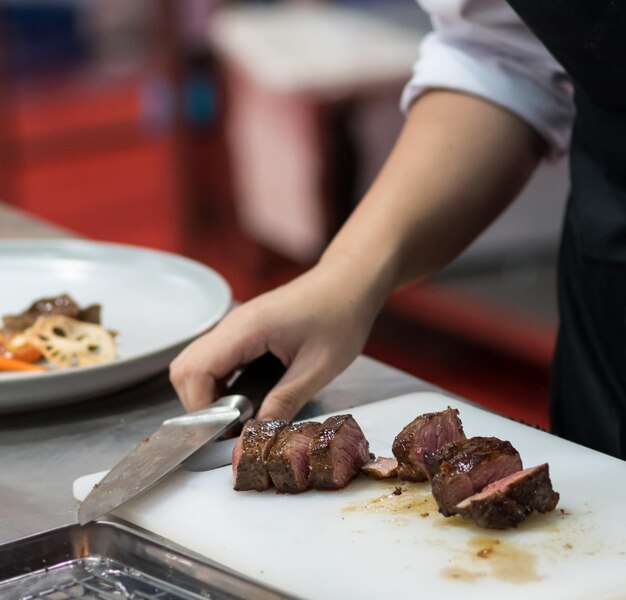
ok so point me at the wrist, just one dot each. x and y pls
(367, 275)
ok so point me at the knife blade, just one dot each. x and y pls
(179, 438)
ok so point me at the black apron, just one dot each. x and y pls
(588, 389)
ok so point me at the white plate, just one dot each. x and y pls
(157, 302)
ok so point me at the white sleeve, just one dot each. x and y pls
(483, 48)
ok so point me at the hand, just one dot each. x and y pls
(316, 325)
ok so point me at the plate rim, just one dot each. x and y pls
(75, 246)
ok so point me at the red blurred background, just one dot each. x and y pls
(119, 122)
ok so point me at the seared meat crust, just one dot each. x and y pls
(337, 451)
(465, 467)
(427, 433)
(288, 463)
(509, 501)
(251, 453)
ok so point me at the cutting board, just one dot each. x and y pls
(366, 542)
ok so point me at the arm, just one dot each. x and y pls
(458, 162)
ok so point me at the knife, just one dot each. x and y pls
(179, 438)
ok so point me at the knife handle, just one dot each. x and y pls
(257, 379)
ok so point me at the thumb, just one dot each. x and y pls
(283, 402)
(303, 379)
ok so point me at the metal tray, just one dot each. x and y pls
(109, 561)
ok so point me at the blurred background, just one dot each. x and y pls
(242, 134)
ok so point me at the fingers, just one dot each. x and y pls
(285, 400)
(308, 373)
(301, 323)
(199, 370)
(195, 389)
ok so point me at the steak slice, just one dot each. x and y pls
(380, 467)
(288, 460)
(508, 501)
(426, 433)
(250, 454)
(462, 468)
(337, 451)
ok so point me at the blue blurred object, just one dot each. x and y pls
(402, 11)
(199, 100)
(41, 35)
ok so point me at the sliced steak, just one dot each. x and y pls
(251, 452)
(462, 468)
(426, 433)
(380, 467)
(508, 501)
(337, 452)
(288, 460)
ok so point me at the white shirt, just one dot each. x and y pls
(483, 48)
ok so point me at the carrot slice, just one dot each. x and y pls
(16, 346)
(25, 353)
(13, 364)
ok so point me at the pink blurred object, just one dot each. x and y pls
(278, 169)
(287, 63)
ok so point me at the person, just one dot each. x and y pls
(495, 91)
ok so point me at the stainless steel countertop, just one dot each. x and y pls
(43, 452)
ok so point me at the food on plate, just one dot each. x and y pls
(427, 433)
(56, 305)
(57, 330)
(15, 364)
(67, 342)
(251, 452)
(16, 354)
(508, 501)
(380, 467)
(338, 452)
(462, 468)
(288, 462)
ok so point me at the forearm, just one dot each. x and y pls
(457, 164)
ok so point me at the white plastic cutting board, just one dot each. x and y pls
(365, 542)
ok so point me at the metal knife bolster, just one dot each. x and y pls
(215, 453)
(227, 405)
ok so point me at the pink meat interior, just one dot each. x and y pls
(497, 485)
